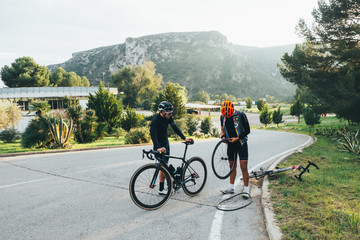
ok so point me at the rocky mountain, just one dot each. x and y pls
(196, 60)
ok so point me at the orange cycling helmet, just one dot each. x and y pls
(227, 108)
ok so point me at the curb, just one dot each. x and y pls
(272, 228)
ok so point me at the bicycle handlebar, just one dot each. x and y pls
(151, 154)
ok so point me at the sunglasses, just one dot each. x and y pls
(168, 113)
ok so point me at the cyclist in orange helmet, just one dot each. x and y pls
(235, 128)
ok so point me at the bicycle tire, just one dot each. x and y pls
(141, 192)
(194, 176)
(220, 162)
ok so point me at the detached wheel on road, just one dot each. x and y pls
(220, 163)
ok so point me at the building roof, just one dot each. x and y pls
(48, 92)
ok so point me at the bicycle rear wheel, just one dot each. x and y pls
(194, 176)
(220, 161)
(144, 186)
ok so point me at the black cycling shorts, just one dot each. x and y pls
(235, 149)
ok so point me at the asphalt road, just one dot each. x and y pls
(84, 195)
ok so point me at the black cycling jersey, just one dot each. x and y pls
(158, 130)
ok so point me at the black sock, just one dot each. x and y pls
(161, 186)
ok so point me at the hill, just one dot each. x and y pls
(196, 60)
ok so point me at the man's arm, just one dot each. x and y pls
(246, 126)
(153, 134)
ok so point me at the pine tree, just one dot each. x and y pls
(265, 115)
(277, 116)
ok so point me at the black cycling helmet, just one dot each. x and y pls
(166, 106)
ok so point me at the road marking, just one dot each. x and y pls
(215, 231)
(22, 183)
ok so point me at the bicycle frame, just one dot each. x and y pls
(262, 173)
(161, 162)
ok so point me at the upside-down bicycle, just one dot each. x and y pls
(222, 167)
(271, 173)
(190, 176)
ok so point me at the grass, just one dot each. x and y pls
(326, 204)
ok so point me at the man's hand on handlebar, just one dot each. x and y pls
(161, 150)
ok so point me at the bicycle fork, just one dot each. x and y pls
(153, 180)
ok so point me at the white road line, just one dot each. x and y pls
(215, 231)
(22, 183)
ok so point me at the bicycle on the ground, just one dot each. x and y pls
(271, 173)
(223, 168)
(144, 184)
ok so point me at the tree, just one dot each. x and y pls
(206, 125)
(10, 115)
(131, 119)
(265, 115)
(39, 107)
(328, 63)
(61, 78)
(76, 113)
(192, 122)
(202, 96)
(311, 117)
(138, 83)
(107, 108)
(171, 94)
(248, 103)
(260, 104)
(277, 116)
(25, 72)
(297, 109)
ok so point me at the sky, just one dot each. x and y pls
(51, 30)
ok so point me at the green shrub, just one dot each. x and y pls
(9, 135)
(36, 134)
(205, 125)
(146, 105)
(180, 123)
(130, 119)
(265, 115)
(118, 132)
(138, 135)
(192, 123)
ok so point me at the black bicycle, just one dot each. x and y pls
(144, 184)
(220, 163)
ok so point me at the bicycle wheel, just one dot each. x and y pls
(145, 194)
(194, 176)
(220, 161)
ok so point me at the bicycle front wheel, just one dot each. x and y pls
(220, 163)
(144, 187)
(194, 176)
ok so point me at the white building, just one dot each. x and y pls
(54, 95)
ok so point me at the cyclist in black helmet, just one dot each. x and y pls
(159, 136)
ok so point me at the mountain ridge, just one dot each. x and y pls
(196, 60)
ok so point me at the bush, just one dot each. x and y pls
(9, 135)
(205, 125)
(130, 119)
(277, 117)
(36, 134)
(88, 127)
(118, 132)
(138, 135)
(192, 123)
(265, 115)
(146, 105)
(180, 123)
